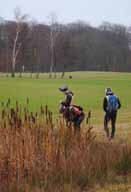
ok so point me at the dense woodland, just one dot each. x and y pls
(63, 47)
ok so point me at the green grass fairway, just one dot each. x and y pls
(88, 88)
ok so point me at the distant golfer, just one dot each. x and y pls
(111, 104)
(68, 94)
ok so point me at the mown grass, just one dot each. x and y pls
(88, 88)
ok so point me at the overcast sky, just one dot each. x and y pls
(91, 11)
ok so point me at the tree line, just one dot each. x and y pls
(37, 47)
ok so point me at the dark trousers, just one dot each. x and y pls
(110, 116)
(78, 120)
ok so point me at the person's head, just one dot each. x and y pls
(108, 91)
(63, 89)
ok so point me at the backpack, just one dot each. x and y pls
(112, 103)
(79, 107)
(74, 110)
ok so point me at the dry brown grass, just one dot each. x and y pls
(37, 154)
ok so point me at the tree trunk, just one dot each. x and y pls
(52, 53)
(13, 67)
(15, 53)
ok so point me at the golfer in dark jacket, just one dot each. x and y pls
(111, 104)
(68, 94)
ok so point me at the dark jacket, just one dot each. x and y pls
(105, 103)
(68, 99)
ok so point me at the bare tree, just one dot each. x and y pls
(20, 19)
(54, 31)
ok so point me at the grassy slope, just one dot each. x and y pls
(88, 88)
(89, 92)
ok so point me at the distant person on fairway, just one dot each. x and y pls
(111, 104)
